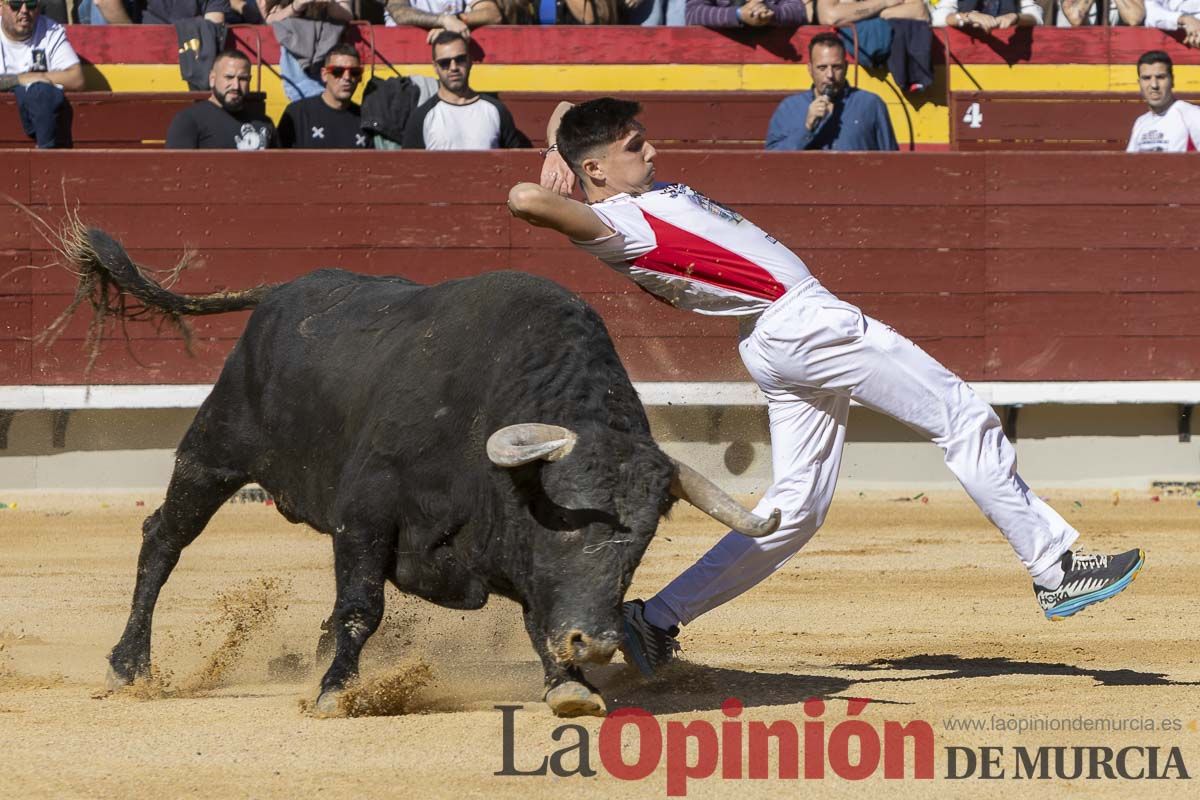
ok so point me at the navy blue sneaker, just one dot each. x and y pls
(1088, 579)
(646, 646)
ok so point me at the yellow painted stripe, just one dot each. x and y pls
(928, 124)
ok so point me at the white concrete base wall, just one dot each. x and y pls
(1058, 446)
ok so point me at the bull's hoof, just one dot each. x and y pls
(573, 699)
(329, 704)
(115, 680)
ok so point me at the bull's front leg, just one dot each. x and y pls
(568, 693)
(361, 559)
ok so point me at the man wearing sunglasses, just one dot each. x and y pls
(458, 117)
(329, 120)
(36, 64)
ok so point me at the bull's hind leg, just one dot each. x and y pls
(194, 495)
(362, 559)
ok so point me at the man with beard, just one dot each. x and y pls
(36, 64)
(223, 122)
(329, 120)
(458, 117)
(1170, 126)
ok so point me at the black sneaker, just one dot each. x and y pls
(1088, 579)
(646, 646)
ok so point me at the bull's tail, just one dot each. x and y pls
(109, 280)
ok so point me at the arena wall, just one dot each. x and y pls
(1065, 270)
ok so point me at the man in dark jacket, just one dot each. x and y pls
(458, 117)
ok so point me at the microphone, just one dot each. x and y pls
(828, 91)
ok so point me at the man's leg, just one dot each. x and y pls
(40, 105)
(807, 435)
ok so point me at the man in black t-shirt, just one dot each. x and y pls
(223, 122)
(329, 120)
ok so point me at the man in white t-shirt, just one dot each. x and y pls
(809, 352)
(1172, 15)
(36, 64)
(458, 117)
(1170, 126)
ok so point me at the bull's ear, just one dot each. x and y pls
(515, 445)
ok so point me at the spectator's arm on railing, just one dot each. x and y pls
(482, 12)
(839, 13)
(114, 12)
(1132, 12)
(405, 14)
(1075, 10)
(790, 12)
(909, 9)
(711, 15)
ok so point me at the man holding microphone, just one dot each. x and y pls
(833, 116)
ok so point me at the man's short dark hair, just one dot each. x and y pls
(446, 37)
(826, 40)
(593, 124)
(344, 49)
(1156, 57)
(236, 55)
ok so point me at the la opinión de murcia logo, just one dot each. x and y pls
(632, 744)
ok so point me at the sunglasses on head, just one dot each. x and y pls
(30, 5)
(354, 72)
(445, 63)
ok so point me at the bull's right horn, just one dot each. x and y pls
(705, 495)
(515, 445)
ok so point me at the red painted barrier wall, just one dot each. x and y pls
(1005, 266)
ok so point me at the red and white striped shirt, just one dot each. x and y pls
(1176, 130)
(694, 253)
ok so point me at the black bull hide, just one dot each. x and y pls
(363, 405)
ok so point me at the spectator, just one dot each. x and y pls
(832, 115)
(108, 12)
(222, 122)
(36, 64)
(460, 16)
(167, 12)
(331, 119)
(458, 117)
(1170, 15)
(589, 12)
(648, 13)
(753, 14)
(1073, 13)
(840, 13)
(1170, 126)
(985, 16)
(303, 43)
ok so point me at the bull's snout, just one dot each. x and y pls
(583, 648)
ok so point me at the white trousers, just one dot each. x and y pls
(811, 354)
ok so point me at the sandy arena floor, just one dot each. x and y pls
(920, 607)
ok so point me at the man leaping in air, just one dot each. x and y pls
(809, 352)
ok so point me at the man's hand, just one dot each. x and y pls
(755, 14)
(818, 110)
(979, 21)
(454, 25)
(1191, 28)
(1006, 20)
(556, 175)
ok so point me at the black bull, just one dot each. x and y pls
(473, 437)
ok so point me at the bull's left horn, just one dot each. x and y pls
(515, 445)
(705, 495)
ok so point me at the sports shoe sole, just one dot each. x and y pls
(1077, 604)
(631, 648)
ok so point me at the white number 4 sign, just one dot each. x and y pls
(974, 117)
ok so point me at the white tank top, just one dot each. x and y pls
(694, 253)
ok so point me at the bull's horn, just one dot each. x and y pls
(705, 495)
(530, 441)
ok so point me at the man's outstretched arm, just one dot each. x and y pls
(547, 209)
